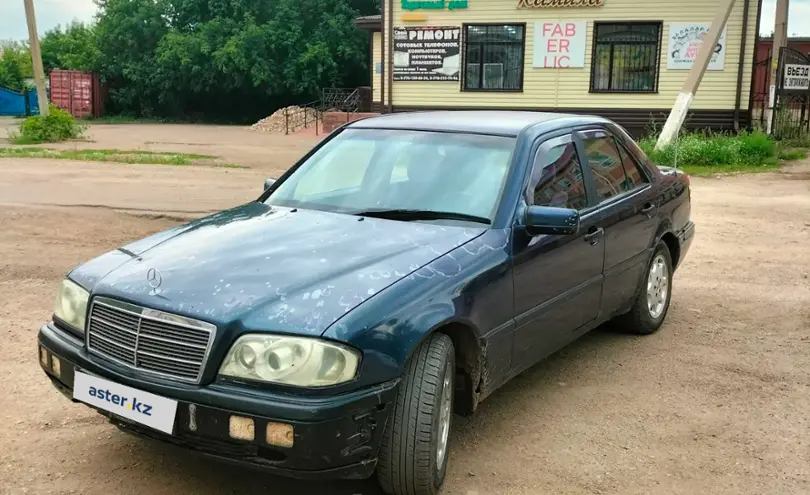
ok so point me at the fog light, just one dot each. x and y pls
(56, 366)
(242, 428)
(43, 356)
(280, 435)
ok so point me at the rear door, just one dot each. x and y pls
(628, 211)
(558, 278)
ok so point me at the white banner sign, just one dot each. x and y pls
(797, 77)
(559, 44)
(135, 405)
(685, 40)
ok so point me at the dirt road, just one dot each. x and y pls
(717, 402)
(232, 144)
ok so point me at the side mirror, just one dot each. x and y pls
(549, 220)
(268, 182)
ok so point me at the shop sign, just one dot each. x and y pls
(797, 77)
(539, 4)
(685, 40)
(559, 44)
(427, 53)
(434, 4)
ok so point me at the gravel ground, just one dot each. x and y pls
(715, 403)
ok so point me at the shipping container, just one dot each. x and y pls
(80, 93)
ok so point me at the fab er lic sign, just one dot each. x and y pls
(559, 44)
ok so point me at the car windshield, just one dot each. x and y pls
(374, 170)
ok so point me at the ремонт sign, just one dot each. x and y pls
(427, 53)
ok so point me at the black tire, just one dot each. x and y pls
(639, 319)
(408, 461)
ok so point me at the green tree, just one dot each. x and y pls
(228, 59)
(233, 59)
(75, 48)
(127, 35)
(15, 65)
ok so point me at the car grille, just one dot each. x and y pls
(160, 343)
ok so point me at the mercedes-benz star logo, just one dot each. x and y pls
(154, 279)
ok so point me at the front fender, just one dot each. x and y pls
(470, 286)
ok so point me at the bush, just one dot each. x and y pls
(695, 149)
(59, 125)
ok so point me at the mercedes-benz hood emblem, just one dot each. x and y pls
(154, 279)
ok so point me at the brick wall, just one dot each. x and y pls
(333, 120)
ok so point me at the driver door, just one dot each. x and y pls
(558, 278)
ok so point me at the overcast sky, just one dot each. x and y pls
(51, 13)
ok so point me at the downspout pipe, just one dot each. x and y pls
(382, 56)
(390, 48)
(741, 64)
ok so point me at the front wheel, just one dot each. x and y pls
(652, 302)
(415, 445)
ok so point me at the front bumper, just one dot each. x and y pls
(335, 437)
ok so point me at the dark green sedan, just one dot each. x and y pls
(401, 271)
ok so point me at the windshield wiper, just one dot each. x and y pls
(409, 214)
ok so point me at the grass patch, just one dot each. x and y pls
(117, 156)
(792, 154)
(707, 171)
(703, 154)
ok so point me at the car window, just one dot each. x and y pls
(340, 168)
(631, 169)
(557, 176)
(378, 169)
(606, 165)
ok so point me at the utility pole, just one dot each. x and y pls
(36, 57)
(779, 41)
(684, 100)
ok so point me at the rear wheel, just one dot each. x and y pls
(415, 445)
(652, 302)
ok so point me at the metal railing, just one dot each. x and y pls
(305, 116)
(341, 99)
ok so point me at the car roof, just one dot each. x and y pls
(501, 123)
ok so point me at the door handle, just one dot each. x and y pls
(648, 209)
(593, 236)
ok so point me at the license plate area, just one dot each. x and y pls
(130, 403)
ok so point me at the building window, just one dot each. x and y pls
(625, 57)
(493, 57)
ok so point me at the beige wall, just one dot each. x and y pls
(569, 88)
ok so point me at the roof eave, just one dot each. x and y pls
(369, 23)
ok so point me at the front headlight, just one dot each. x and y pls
(298, 361)
(71, 304)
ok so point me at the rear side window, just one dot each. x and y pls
(606, 165)
(631, 169)
(557, 176)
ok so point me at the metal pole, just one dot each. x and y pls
(286, 120)
(36, 57)
(684, 100)
(779, 41)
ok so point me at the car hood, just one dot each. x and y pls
(258, 267)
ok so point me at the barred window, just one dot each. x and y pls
(625, 57)
(493, 57)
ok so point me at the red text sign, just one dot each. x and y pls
(559, 44)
